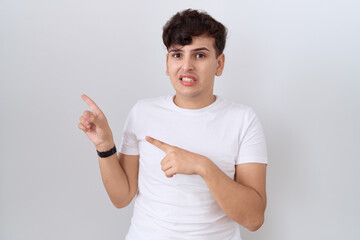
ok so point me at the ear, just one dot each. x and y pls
(167, 67)
(220, 65)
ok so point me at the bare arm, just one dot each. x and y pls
(242, 199)
(120, 177)
(119, 172)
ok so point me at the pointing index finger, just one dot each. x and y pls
(90, 103)
(159, 144)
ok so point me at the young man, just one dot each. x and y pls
(196, 162)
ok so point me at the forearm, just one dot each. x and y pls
(241, 203)
(115, 180)
(115, 177)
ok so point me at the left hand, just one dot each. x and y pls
(178, 160)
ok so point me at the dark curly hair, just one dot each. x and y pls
(191, 23)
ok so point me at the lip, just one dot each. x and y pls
(187, 76)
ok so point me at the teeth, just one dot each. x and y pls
(185, 79)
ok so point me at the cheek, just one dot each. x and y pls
(211, 69)
(171, 68)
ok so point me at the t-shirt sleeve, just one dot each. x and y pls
(129, 142)
(252, 147)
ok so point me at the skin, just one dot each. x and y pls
(243, 198)
(119, 172)
(197, 60)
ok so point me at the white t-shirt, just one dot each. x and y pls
(182, 207)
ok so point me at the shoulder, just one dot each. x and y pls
(152, 101)
(144, 108)
(150, 104)
(236, 109)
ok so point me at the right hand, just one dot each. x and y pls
(96, 127)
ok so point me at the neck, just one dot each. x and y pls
(192, 103)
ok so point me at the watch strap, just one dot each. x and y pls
(107, 153)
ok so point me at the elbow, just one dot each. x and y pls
(251, 223)
(121, 204)
(256, 224)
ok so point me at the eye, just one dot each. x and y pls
(176, 55)
(200, 55)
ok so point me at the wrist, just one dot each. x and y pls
(106, 146)
(204, 166)
(107, 153)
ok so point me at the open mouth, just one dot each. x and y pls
(186, 79)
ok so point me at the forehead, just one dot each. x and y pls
(197, 42)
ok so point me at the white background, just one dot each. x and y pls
(297, 63)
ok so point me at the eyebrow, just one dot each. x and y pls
(193, 50)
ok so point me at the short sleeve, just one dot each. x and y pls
(252, 147)
(129, 142)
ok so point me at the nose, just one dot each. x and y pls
(188, 64)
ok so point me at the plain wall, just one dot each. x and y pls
(297, 63)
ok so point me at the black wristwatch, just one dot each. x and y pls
(107, 153)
